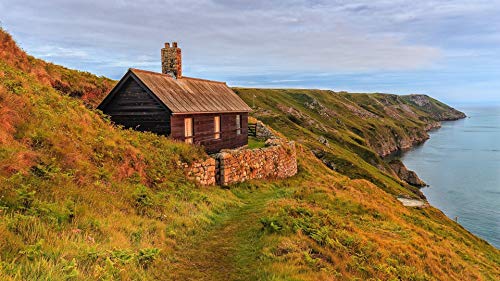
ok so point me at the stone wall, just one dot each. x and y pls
(278, 159)
(204, 172)
(263, 132)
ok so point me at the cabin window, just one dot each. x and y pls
(238, 124)
(188, 130)
(216, 127)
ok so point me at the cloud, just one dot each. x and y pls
(251, 36)
(49, 52)
(266, 39)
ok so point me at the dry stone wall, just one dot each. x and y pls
(278, 159)
(204, 172)
(263, 132)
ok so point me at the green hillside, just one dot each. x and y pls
(349, 132)
(81, 199)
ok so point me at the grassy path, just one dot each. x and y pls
(231, 249)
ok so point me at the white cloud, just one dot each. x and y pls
(50, 52)
(255, 36)
(267, 39)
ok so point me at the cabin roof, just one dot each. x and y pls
(190, 95)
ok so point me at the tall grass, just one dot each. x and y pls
(81, 198)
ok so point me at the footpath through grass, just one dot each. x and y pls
(231, 250)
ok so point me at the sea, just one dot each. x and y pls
(461, 164)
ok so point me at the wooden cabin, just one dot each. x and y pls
(193, 110)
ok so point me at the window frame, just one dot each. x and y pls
(189, 135)
(217, 125)
(238, 124)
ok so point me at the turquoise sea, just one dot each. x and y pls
(461, 163)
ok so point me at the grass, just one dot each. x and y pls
(254, 143)
(232, 248)
(81, 199)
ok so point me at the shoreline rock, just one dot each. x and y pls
(406, 175)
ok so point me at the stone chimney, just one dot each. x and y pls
(171, 60)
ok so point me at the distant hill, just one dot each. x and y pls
(81, 199)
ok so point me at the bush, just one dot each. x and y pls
(271, 225)
(147, 256)
(143, 199)
(25, 198)
(33, 251)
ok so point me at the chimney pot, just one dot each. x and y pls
(171, 60)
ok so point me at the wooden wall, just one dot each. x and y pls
(204, 130)
(135, 108)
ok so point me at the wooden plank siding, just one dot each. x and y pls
(155, 102)
(204, 130)
(133, 107)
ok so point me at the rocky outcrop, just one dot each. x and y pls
(391, 141)
(323, 141)
(322, 110)
(406, 175)
(436, 109)
(387, 142)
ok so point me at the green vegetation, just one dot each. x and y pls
(81, 199)
(255, 143)
(357, 128)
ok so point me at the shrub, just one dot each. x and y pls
(271, 225)
(70, 269)
(25, 198)
(143, 198)
(33, 251)
(146, 256)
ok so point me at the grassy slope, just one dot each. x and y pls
(84, 85)
(358, 127)
(82, 199)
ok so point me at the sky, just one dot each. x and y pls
(447, 49)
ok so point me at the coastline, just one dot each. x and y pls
(457, 172)
(394, 158)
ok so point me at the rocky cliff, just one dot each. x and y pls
(407, 175)
(438, 110)
(352, 132)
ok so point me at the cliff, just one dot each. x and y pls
(352, 132)
(82, 199)
(436, 109)
(407, 175)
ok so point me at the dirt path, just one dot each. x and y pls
(229, 251)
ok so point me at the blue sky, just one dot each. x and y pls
(447, 49)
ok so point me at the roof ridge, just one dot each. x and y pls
(151, 72)
(182, 77)
(201, 79)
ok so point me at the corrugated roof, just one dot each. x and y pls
(191, 95)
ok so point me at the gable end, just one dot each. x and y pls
(132, 105)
